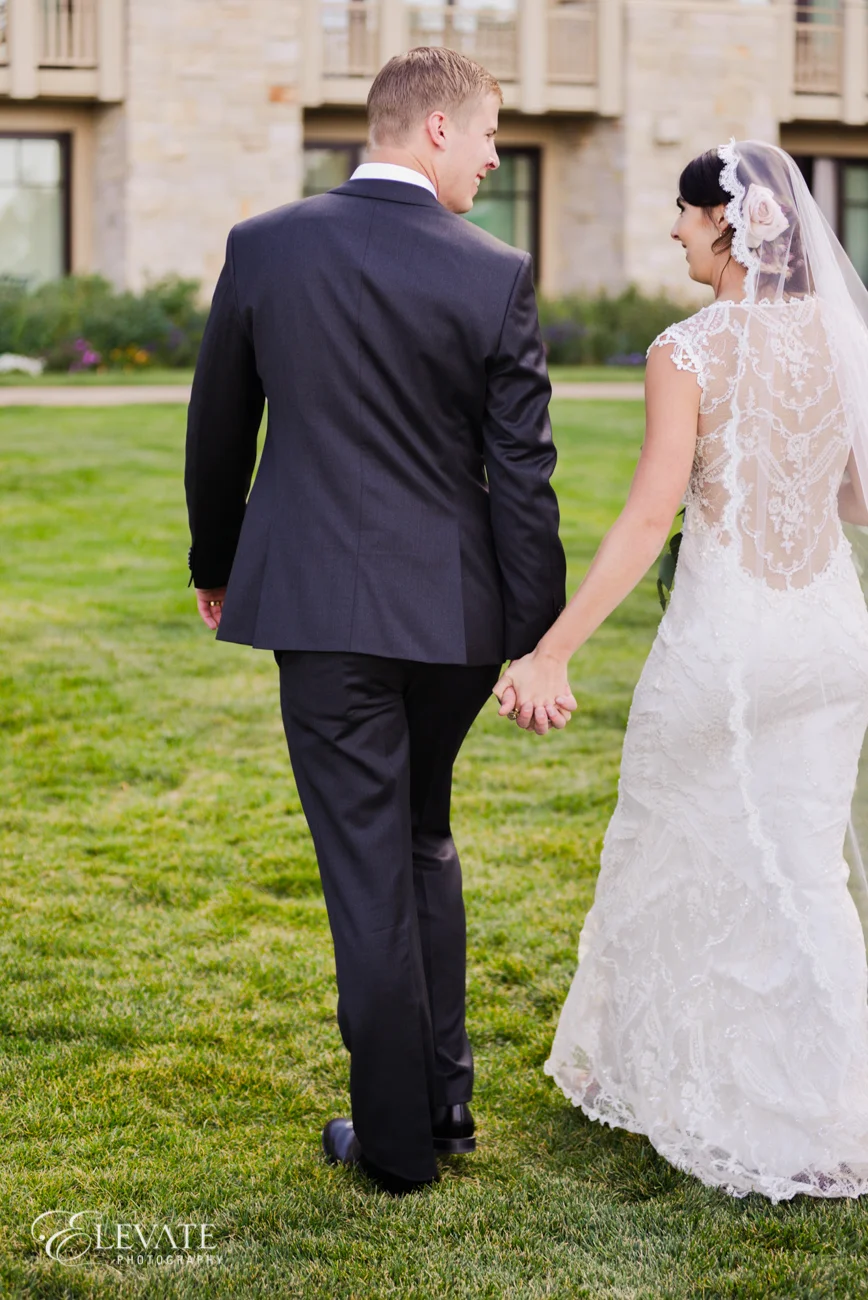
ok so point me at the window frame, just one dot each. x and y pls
(64, 140)
(533, 152)
(842, 163)
(334, 146)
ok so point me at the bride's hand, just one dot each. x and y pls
(536, 687)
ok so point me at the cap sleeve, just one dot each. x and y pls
(686, 354)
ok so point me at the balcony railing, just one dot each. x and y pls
(490, 36)
(351, 38)
(62, 49)
(572, 43)
(68, 34)
(819, 52)
(548, 55)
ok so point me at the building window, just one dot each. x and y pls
(840, 188)
(819, 47)
(854, 214)
(507, 204)
(327, 166)
(508, 201)
(34, 207)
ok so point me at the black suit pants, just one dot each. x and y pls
(372, 743)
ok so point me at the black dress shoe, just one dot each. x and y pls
(341, 1147)
(340, 1144)
(453, 1130)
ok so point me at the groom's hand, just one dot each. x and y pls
(536, 691)
(539, 718)
(209, 601)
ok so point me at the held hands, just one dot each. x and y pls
(536, 687)
(209, 601)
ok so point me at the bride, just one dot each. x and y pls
(721, 1002)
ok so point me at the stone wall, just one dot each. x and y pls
(210, 134)
(697, 73)
(211, 131)
(110, 193)
(589, 230)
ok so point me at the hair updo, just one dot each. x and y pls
(699, 185)
(782, 269)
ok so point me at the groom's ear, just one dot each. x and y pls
(435, 126)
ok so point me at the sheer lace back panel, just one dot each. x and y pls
(772, 442)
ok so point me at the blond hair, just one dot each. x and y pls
(417, 83)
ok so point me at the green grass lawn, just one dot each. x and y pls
(597, 374)
(87, 379)
(169, 1047)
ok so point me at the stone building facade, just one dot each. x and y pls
(134, 133)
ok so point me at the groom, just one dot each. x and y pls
(400, 539)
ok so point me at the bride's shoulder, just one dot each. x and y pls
(704, 320)
(685, 339)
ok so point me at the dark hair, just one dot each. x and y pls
(699, 185)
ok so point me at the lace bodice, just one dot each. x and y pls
(772, 442)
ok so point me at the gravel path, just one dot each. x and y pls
(150, 394)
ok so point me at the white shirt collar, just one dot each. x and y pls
(392, 172)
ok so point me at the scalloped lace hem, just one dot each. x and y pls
(710, 1164)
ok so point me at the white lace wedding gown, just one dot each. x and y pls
(721, 1001)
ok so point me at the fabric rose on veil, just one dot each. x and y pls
(763, 216)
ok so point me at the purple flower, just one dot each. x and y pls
(563, 331)
(626, 359)
(86, 357)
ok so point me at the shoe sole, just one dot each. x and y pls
(455, 1146)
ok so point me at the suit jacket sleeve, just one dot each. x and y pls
(519, 459)
(222, 426)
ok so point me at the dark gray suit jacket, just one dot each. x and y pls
(402, 506)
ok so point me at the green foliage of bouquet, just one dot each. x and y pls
(667, 566)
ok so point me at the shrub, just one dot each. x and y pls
(69, 322)
(11, 295)
(83, 316)
(600, 330)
